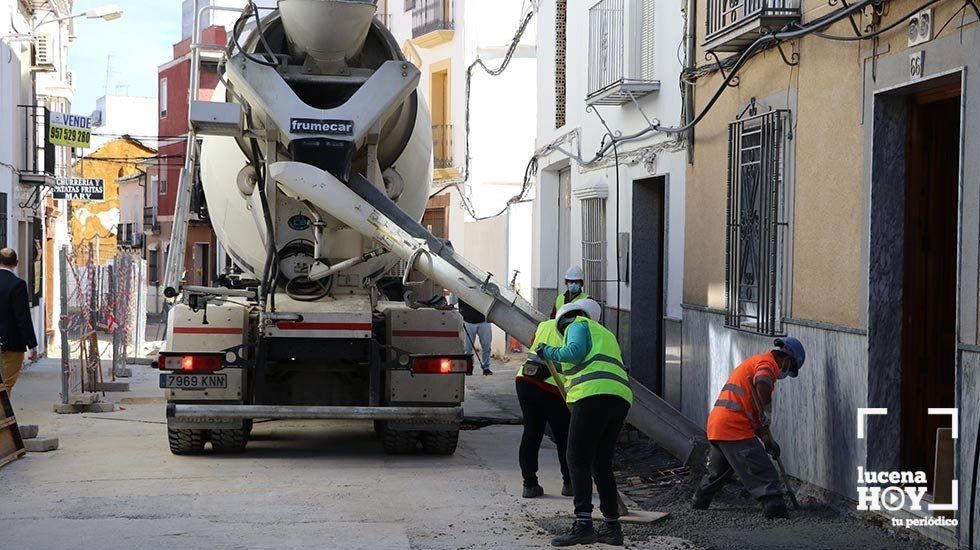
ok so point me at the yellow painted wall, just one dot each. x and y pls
(94, 221)
(829, 179)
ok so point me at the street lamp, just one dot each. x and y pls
(108, 13)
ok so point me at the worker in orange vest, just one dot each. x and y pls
(733, 424)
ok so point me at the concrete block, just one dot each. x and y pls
(100, 408)
(41, 444)
(28, 431)
(83, 398)
(70, 408)
(124, 372)
(112, 386)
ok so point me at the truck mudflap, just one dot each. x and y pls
(197, 412)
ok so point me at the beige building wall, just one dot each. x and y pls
(828, 183)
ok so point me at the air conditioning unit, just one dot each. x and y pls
(920, 27)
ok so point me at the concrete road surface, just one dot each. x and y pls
(113, 484)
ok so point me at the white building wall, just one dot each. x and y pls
(584, 134)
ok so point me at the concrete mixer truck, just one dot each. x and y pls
(315, 158)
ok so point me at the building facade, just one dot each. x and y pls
(482, 125)
(612, 66)
(833, 197)
(34, 82)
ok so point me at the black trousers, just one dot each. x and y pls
(746, 458)
(592, 434)
(539, 408)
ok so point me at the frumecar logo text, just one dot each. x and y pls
(903, 490)
(322, 127)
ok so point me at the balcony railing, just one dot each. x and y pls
(431, 15)
(733, 24)
(150, 223)
(617, 75)
(442, 145)
(128, 235)
(39, 154)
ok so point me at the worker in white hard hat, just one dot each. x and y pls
(574, 289)
(597, 390)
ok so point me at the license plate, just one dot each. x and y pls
(193, 381)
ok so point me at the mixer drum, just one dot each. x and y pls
(404, 154)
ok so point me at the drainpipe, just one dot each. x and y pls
(692, 16)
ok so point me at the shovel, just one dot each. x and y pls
(765, 432)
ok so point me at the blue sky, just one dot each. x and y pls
(133, 46)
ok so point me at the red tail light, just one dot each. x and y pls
(442, 365)
(198, 362)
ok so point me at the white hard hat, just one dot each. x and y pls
(575, 273)
(588, 307)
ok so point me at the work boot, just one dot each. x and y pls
(774, 507)
(566, 489)
(700, 501)
(487, 371)
(532, 491)
(580, 533)
(610, 532)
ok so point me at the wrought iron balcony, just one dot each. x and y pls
(734, 24)
(616, 75)
(442, 146)
(128, 236)
(432, 22)
(39, 154)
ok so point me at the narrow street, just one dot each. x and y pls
(114, 484)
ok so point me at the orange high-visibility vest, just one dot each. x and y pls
(734, 416)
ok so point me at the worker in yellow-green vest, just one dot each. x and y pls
(598, 391)
(574, 289)
(542, 403)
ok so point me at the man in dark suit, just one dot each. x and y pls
(16, 328)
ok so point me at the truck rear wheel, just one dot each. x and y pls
(230, 441)
(186, 442)
(398, 442)
(440, 443)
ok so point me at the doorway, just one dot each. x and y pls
(564, 256)
(202, 263)
(913, 275)
(929, 322)
(647, 283)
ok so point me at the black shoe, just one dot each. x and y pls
(774, 508)
(487, 371)
(700, 501)
(566, 489)
(580, 533)
(532, 491)
(610, 533)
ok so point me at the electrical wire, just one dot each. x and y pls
(879, 32)
(236, 31)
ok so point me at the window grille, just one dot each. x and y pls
(594, 246)
(605, 44)
(756, 224)
(622, 44)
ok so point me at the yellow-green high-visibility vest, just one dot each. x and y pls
(547, 333)
(560, 301)
(602, 371)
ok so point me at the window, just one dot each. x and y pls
(163, 98)
(162, 182)
(594, 246)
(756, 224)
(409, 5)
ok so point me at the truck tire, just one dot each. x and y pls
(440, 443)
(398, 442)
(186, 442)
(230, 441)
